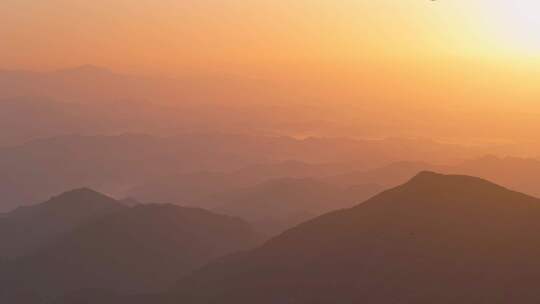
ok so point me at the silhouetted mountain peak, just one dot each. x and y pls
(81, 195)
(428, 176)
(27, 229)
(430, 179)
(473, 238)
(82, 202)
(79, 200)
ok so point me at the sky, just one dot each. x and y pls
(169, 36)
(450, 57)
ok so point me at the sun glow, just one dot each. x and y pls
(516, 23)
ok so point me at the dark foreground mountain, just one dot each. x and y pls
(26, 229)
(435, 239)
(145, 248)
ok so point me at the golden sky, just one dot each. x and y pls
(170, 35)
(458, 56)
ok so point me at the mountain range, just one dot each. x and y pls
(83, 240)
(434, 239)
(129, 164)
(93, 100)
(289, 196)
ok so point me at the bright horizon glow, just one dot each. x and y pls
(169, 37)
(445, 60)
(516, 23)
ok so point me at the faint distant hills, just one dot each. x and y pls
(115, 164)
(280, 204)
(27, 118)
(200, 188)
(287, 201)
(84, 83)
(93, 100)
(210, 169)
(435, 239)
(90, 83)
(84, 240)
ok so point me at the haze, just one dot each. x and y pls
(257, 151)
(452, 70)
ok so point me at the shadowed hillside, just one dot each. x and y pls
(435, 239)
(26, 229)
(133, 249)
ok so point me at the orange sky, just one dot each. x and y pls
(448, 56)
(168, 36)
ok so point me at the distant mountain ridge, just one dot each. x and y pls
(94, 100)
(279, 204)
(114, 164)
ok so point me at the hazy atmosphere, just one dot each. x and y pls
(228, 151)
(453, 70)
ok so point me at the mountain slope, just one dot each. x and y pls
(140, 249)
(26, 229)
(435, 239)
(522, 174)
